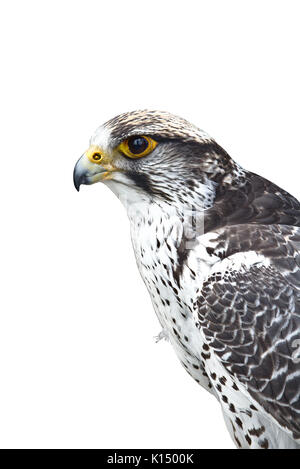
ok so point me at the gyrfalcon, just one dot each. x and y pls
(218, 248)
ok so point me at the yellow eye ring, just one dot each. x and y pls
(137, 146)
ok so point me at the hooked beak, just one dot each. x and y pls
(86, 172)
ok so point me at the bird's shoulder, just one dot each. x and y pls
(253, 199)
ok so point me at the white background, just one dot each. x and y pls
(78, 364)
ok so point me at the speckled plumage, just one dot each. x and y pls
(218, 250)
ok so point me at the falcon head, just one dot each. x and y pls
(155, 155)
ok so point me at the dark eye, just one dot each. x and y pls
(137, 145)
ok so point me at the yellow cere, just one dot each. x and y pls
(94, 154)
(137, 146)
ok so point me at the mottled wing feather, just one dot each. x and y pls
(251, 318)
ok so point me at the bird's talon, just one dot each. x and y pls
(161, 336)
